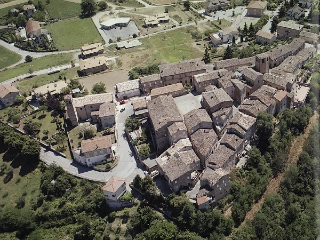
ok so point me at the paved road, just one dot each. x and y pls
(267, 27)
(47, 70)
(24, 53)
(127, 167)
(40, 72)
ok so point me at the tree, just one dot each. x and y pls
(47, 2)
(245, 29)
(251, 30)
(19, 100)
(88, 133)
(40, 6)
(88, 8)
(102, 5)
(274, 24)
(132, 124)
(282, 12)
(160, 230)
(144, 150)
(21, 20)
(186, 5)
(264, 128)
(84, 232)
(31, 149)
(228, 53)
(28, 58)
(206, 57)
(98, 88)
(143, 218)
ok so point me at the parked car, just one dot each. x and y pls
(122, 109)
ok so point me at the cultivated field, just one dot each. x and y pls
(7, 57)
(37, 64)
(74, 33)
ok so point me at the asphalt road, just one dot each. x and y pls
(127, 167)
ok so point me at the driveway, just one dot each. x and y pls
(127, 167)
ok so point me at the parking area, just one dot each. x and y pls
(188, 102)
(122, 32)
(110, 79)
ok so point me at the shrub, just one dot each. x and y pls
(98, 88)
(88, 133)
(21, 202)
(102, 5)
(144, 150)
(28, 58)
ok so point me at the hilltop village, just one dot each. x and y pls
(145, 119)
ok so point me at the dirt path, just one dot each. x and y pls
(12, 3)
(293, 157)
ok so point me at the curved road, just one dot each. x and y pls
(127, 167)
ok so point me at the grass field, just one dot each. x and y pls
(131, 3)
(74, 33)
(46, 120)
(36, 64)
(172, 46)
(26, 85)
(25, 181)
(63, 9)
(7, 57)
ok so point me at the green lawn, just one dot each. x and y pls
(74, 33)
(46, 120)
(224, 23)
(25, 181)
(172, 46)
(26, 85)
(7, 57)
(36, 64)
(60, 9)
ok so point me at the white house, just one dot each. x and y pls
(115, 187)
(94, 151)
(224, 36)
(128, 89)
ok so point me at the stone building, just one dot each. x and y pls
(8, 94)
(81, 109)
(256, 8)
(181, 72)
(163, 112)
(94, 151)
(288, 29)
(197, 119)
(201, 81)
(93, 65)
(214, 100)
(179, 167)
(175, 90)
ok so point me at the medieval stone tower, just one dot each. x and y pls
(262, 63)
(71, 111)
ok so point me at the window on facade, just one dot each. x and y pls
(80, 108)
